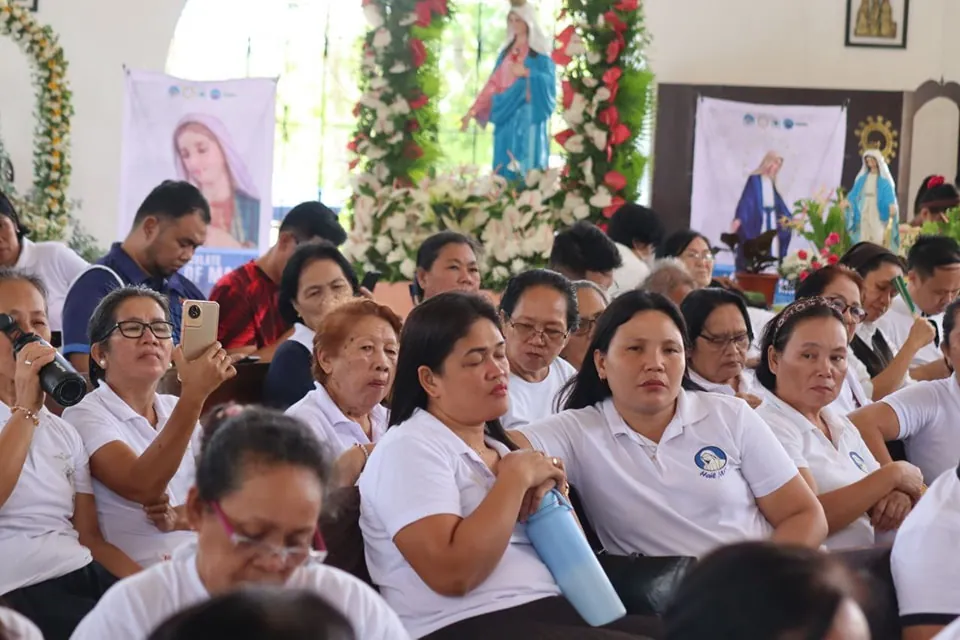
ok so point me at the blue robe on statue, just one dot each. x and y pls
(886, 197)
(755, 218)
(520, 126)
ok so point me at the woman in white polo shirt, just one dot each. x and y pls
(539, 310)
(355, 358)
(140, 442)
(720, 336)
(661, 470)
(922, 415)
(261, 478)
(54, 563)
(803, 369)
(443, 491)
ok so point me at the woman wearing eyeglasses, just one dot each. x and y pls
(803, 366)
(539, 310)
(843, 287)
(261, 477)
(591, 301)
(720, 336)
(142, 444)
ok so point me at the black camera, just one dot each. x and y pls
(194, 311)
(58, 378)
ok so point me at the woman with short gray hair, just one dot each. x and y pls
(591, 302)
(671, 278)
(141, 443)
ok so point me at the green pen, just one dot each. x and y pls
(901, 286)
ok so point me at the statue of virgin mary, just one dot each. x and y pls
(519, 96)
(873, 214)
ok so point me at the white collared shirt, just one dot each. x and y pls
(420, 469)
(103, 417)
(630, 274)
(895, 325)
(532, 401)
(835, 462)
(134, 607)
(952, 632)
(37, 540)
(693, 492)
(759, 319)
(334, 429)
(853, 395)
(924, 561)
(304, 335)
(928, 416)
(748, 383)
(57, 266)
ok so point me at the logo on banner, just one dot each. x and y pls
(765, 121)
(189, 92)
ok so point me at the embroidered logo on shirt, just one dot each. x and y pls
(68, 470)
(858, 460)
(712, 462)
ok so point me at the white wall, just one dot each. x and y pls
(98, 38)
(736, 42)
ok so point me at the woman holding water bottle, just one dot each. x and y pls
(445, 493)
(662, 470)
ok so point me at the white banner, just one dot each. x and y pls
(752, 162)
(218, 136)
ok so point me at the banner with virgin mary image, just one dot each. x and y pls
(219, 137)
(753, 162)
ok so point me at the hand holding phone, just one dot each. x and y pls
(200, 320)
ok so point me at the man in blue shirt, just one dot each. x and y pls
(169, 226)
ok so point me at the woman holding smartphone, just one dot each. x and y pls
(142, 444)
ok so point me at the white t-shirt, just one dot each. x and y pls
(924, 561)
(134, 607)
(929, 427)
(57, 266)
(952, 632)
(303, 335)
(895, 325)
(103, 417)
(37, 540)
(420, 469)
(532, 401)
(18, 627)
(853, 395)
(630, 274)
(748, 383)
(336, 431)
(834, 463)
(693, 492)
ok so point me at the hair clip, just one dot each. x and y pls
(936, 181)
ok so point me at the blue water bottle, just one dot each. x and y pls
(561, 544)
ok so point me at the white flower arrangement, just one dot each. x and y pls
(47, 209)
(515, 227)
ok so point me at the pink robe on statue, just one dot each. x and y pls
(500, 80)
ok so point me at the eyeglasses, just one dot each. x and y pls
(134, 329)
(526, 331)
(740, 341)
(288, 555)
(857, 312)
(586, 326)
(706, 256)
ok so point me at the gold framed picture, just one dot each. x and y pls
(877, 23)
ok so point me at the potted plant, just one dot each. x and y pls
(758, 258)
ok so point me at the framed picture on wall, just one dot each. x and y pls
(877, 23)
(33, 5)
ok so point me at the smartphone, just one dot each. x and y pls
(370, 280)
(200, 320)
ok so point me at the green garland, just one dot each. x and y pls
(47, 209)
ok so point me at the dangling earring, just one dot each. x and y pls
(103, 363)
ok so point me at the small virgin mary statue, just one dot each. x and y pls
(873, 214)
(519, 97)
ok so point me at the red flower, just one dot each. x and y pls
(412, 126)
(560, 57)
(627, 5)
(619, 134)
(412, 151)
(609, 116)
(424, 12)
(803, 255)
(563, 136)
(612, 75)
(352, 145)
(615, 204)
(419, 52)
(815, 264)
(833, 259)
(804, 275)
(353, 164)
(824, 252)
(935, 181)
(439, 6)
(559, 54)
(419, 102)
(602, 226)
(615, 22)
(615, 180)
(615, 48)
(568, 93)
(832, 239)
